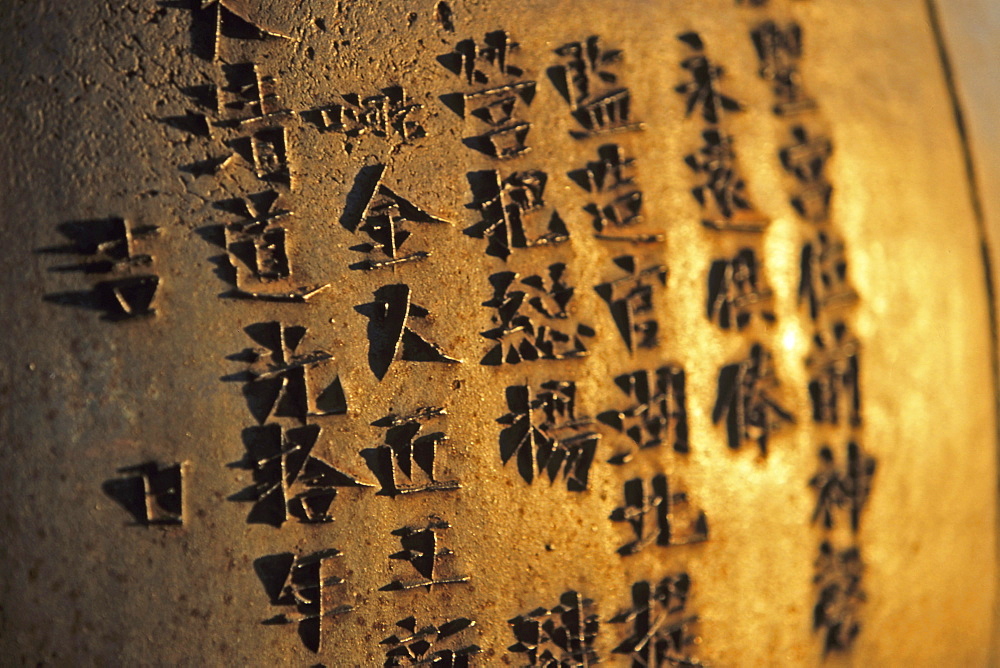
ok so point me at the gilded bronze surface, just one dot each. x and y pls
(642, 333)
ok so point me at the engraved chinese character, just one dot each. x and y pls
(722, 194)
(306, 584)
(839, 487)
(498, 106)
(390, 333)
(746, 402)
(657, 415)
(404, 463)
(656, 514)
(213, 20)
(387, 114)
(837, 611)
(779, 50)
(617, 200)
(152, 494)
(806, 160)
(513, 209)
(589, 84)
(422, 549)
(823, 283)
(290, 481)
(248, 95)
(546, 436)
(279, 377)
(421, 646)
(110, 246)
(384, 216)
(737, 292)
(521, 303)
(630, 300)
(562, 637)
(834, 388)
(702, 90)
(485, 62)
(661, 627)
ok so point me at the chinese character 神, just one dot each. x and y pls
(630, 300)
(737, 292)
(404, 463)
(519, 305)
(840, 487)
(745, 400)
(302, 583)
(661, 632)
(658, 414)
(545, 435)
(659, 516)
(561, 637)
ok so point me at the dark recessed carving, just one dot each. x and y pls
(823, 283)
(737, 292)
(837, 611)
(659, 515)
(842, 487)
(545, 436)
(660, 626)
(390, 336)
(562, 636)
(834, 386)
(779, 50)
(404, 463)
(528, 316)
(289, 481)
(588, 81)
(746, 400)
(423, 550)
(806, 160)
(630, 300)
(514, 212)
(306, 584)
(151, 493)
(702, 91)
(433, 645)
(657, 414)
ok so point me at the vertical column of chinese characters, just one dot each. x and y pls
(843, 479)
(739, 298)
(646, 417)
(290, 390)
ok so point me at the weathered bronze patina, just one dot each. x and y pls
(495, 333)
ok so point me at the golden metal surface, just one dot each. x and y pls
(162, 139)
